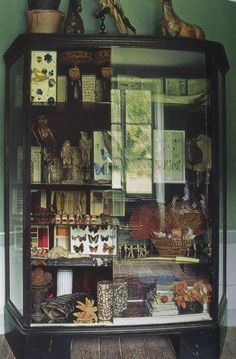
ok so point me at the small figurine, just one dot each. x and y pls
(172, 25)
(74, 23)
(67, 160)
(85, 148)
(115, 9)
(47, 142)
(44, 136)
(85, 145)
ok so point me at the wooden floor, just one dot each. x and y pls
(151, 349)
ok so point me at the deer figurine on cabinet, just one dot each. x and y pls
(172, 25)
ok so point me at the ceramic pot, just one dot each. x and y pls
(44, 21)
(44, 4)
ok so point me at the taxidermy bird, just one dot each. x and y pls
(172, 25)
(114, 8)
(74, 23)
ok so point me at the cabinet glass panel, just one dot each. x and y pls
(162, 125)
(15, 166)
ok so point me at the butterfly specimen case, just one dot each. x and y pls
(115, 192)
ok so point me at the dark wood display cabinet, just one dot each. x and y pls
(115, 193)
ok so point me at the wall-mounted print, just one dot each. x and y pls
(115, 106)
(138, 106)
(102, 156)
(117, 156)
(138, 142)
(43, 77)
(169, 156)
(138, 176)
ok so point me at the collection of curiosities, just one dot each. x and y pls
(171, 25)
(45, 17)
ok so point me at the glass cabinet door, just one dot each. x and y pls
(162, 131)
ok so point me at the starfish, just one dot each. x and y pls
(87, 313)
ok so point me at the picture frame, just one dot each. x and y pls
(39, 236)
(169, 156)
(96, 202)
(62, 236)
(102, 159)
(138, 177)
(102, 242)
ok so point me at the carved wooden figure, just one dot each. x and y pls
(74, 23)
(172, 25)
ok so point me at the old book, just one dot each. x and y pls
(88, 88)
(36, 164)
(175, 86)
(197, 86)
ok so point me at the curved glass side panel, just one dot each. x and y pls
(15, 168)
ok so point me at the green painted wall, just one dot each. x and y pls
(217, 18)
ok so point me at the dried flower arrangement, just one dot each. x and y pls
(200, 292)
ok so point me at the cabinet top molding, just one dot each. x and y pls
(27, 41)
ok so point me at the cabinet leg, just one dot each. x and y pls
(200, 344)
(47, 347)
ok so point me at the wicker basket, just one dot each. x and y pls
(171, 247)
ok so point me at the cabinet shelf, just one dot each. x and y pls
(69, 186)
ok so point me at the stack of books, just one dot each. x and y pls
(160, 301)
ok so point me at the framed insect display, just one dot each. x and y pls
(102, 156)
(100, 240)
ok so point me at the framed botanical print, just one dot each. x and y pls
(138, 176)
(169, 156)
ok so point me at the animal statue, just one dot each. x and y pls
(172, 25)
(74, 23)
(116, 11)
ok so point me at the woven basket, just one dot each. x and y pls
(171, 247)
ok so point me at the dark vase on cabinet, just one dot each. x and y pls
(115, 193)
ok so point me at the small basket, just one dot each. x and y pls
(171, 247)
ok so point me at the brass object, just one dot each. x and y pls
(172, 25)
